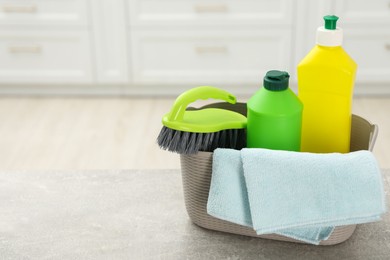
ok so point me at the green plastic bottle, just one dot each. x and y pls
(274, 115)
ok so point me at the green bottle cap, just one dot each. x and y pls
(276, 80)
(330, 22)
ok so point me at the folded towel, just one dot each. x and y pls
(307, 189)
(228, 197)
(299, 195)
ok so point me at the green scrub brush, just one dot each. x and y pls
(190, 131)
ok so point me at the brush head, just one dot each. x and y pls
(182, 142)
(189, 131)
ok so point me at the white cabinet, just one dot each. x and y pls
(44, 12)
(362, 12)
(44, 57)
(209, 42)
(216, 12)
(109, 39)
(45, 41)
(209, 56)
(63, 41)
(161, 46)
(371, 51)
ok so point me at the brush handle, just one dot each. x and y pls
(204, 92)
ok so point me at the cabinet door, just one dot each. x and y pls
(371, 51)
(363, 12)
(45, 57)
(204, 57)
(110, 41)
(216, 12)
(44, 12)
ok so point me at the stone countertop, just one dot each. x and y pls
(135, 214)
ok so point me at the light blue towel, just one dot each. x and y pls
(228, 197)
(299, 195)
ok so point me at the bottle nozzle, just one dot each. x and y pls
(329, 35)
(330, 22)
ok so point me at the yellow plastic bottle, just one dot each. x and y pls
(325, 86)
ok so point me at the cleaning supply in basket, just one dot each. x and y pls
(274, 115)
(298, 195)
(316, 189)
(190, 131)
(228, 197)
(325, 86)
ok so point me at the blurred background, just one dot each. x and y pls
(84, 83)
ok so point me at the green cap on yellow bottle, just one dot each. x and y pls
(330, 22)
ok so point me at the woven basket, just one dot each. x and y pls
(196, 176)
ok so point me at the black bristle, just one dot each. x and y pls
(210, 146)
(199, 142)
(241, 139)
(234, 138)
(182, 145)
(185, 137)
(207, 140)
(164, 137)
(229, 138)
(190, 143)
(222, 139)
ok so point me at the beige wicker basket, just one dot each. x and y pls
(196, 176)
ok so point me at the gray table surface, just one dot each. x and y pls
(133, 214)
